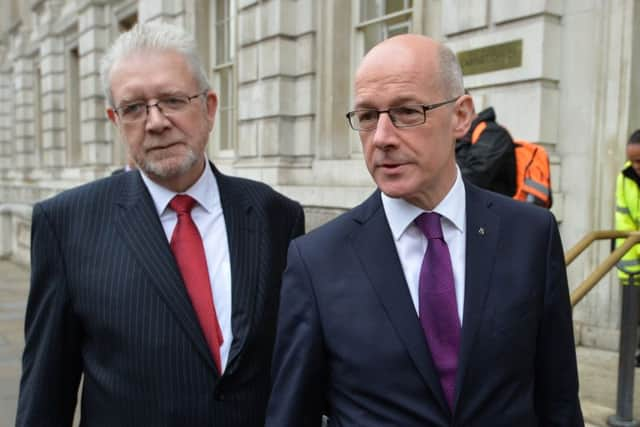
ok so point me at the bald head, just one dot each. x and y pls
(419, 57)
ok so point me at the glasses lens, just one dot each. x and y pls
(364, 119)
(407, 115)
(132, 112)
(173, 103)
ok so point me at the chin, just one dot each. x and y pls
(393, 192)
(392, 186)
(170, 167)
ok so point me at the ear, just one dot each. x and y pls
(463, 116)
(212, 107)
(111, 114)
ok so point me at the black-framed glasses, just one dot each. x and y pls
(403, 116)
(168, 105)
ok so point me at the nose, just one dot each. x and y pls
(385, 133)
(156, 120)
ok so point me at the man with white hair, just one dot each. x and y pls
(158, 286)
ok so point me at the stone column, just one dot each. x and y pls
(335, 85)
(23, 91)
(95, 137)
(53, 86)
(6, 118)
(276, 93)
(603, 89)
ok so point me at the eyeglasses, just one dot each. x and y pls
(404, 116)
(169, 105)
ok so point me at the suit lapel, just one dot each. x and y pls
(244, 235)
(140, 227)
(482, 229)
(374, 246)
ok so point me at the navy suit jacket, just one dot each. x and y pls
(350, 343)
(107, 301)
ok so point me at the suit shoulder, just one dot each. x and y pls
(260, 193)
(330, 234)
(87, 194)
(517, 211)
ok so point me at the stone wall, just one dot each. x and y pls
(292, 65)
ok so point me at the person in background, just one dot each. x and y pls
(627, 215)
(160, 286)
(434, 302)
(486, 154)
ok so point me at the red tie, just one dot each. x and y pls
(187, 248)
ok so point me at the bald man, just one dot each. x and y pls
(434, 302)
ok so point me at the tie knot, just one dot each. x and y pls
(429, 224)
(182, 203)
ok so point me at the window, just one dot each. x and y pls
(381, 19)
(376, 20)
(224, 81)
(72, 110)
(37, 116)
(127, 23)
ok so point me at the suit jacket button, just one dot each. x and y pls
(219, 396)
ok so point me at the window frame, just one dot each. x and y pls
(227, 97)
(415, 19)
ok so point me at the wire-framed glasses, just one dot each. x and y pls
(404, 116)
(139, 110)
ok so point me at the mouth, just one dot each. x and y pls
(390, 166)
(163, 146)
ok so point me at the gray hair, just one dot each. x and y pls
(152, 37)
(450, 73)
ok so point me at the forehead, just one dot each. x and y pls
(149, 73)
(392, 77)
(633, 151)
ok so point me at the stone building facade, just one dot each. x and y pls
(558, 72)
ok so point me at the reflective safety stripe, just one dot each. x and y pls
(537, 186)
(625, 281)
(623, 210)
(475, 136)
(625, 263)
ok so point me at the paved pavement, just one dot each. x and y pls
(598, 368)
(13, 297)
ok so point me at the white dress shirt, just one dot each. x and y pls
(411, 244)
(208, 217)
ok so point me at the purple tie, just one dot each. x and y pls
(437, 301)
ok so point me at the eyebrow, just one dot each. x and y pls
(397, 102)
(163, 94)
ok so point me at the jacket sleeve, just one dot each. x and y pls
(624, 221)
(298, 368)
(485, 159)
(556, 374)
(623, 218)
(51, 365)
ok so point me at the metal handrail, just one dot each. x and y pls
(631, 238)
(629, 316)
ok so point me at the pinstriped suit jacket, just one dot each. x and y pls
(107, 301)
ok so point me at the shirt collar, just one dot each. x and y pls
(401, 214)
(204, 191)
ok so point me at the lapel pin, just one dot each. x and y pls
(481, 231)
